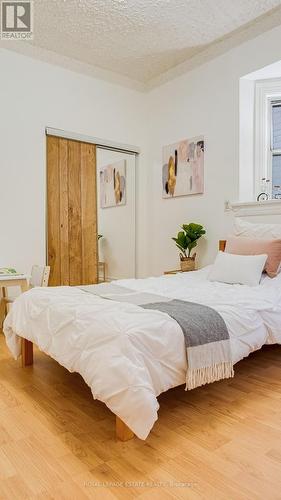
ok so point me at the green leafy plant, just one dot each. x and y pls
(187, 239)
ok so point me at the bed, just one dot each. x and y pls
(129, 355)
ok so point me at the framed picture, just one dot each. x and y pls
(183, 168)
(113, 184)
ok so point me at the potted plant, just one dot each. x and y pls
(186, 241)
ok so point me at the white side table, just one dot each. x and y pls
(7, 281)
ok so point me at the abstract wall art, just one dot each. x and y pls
(183, 168)
(113, 184)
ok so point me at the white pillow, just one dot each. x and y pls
(242, 269)
(256, 230)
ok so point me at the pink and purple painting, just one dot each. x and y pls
(183, 168)
(113, 184)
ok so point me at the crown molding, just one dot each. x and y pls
(243, 34)
(251, 30)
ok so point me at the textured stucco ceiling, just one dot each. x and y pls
(139, 39)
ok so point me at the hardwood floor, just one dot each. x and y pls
(222, 441)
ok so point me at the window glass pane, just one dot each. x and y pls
(276, 176)
(276, 126)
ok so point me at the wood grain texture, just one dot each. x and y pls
(64, 232)
(72, 212)
(88, 214)
(53, 209)
(222, 441)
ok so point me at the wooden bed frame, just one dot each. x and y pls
(222, 244)
(123, 432)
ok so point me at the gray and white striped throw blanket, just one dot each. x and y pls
(205, 332)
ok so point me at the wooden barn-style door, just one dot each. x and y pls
(72, 244)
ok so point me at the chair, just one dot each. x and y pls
(39, 277)
(101, 272)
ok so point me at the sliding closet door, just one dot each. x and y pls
(72, 249)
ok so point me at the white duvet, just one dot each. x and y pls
(129, 355)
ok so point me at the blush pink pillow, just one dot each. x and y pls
(254, 246)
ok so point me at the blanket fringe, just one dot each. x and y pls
(206, 375)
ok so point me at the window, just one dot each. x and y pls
(267, 156)
(275, 149)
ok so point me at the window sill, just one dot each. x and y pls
(244, 209)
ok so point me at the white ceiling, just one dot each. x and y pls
(139, 39)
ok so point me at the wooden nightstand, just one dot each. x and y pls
(176, 271)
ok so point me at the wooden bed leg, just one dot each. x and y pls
(26, 353)
(123, 433)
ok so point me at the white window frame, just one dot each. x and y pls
(273, 152)
(266, 92)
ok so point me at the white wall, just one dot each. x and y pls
(268, 71)
(34, 95)
(246, 139)
(117, 224)
(205, 102)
